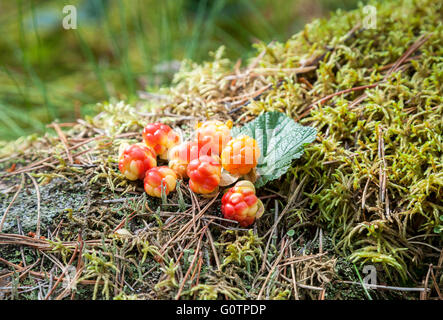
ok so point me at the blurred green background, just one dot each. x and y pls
(48, 73)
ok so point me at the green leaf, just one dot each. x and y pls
(290, 233)
(280, 139)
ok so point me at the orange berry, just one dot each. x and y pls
(213, 135)
(240, 155)
(156, 178)
(135, 160)
(160, 137)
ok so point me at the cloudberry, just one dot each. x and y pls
(160, 137)
(204, 174)
(213, 135)
(180, 155)
(241, 204)
(240, 155)
(135, 160)
(156, 178)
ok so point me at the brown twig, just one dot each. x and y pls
(43, 275)
(434, 280)
(276, 262)
(274, 226)
(37, 190)
(417, 44)
(192, 263)
(382, 173)
(328, 97)
(188, 225)
(64, 141)
(214, 250)
(63, 273)
(40, 244)
(11, 203)
(127, 219)
(294, 282)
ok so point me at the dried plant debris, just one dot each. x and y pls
(367, 191)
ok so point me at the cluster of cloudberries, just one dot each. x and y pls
(200, 160)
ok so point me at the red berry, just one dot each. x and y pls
(204, 174)
(160, 137)
(135, 160)
(241, 204)
(156, 178)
